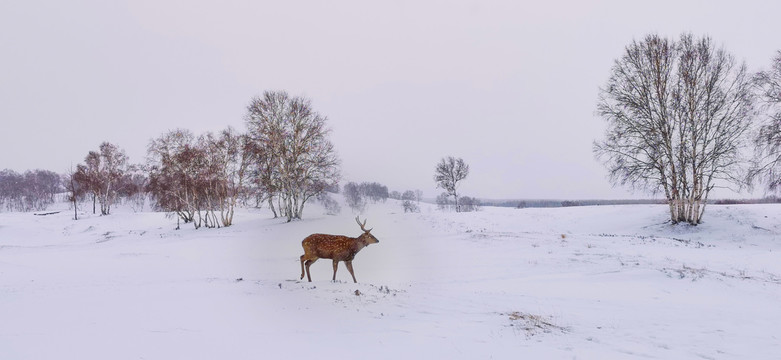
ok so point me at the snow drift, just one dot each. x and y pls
(584, 282)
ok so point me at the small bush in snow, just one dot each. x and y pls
(469, 204)
(409, 202)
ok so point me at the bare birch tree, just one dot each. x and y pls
(200, 180)
(170, 163)
(76, 190)
(448, 173)
(296, 160)
(678, 114)
(102, 175)
(225, 172)
(768, 139)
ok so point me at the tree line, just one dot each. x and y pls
(284, 159)
(683, 117)
(33, 190)
(358, 195)
(201, 180)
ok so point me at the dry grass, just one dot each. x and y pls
(531, 324)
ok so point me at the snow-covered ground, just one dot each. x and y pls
(608, 282)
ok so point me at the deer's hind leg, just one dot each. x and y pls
(336, 265)
(308, 262)
(302, 266)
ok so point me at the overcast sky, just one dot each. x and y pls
(511, 87)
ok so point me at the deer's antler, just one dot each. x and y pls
(362, 225)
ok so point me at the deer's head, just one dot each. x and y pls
(367, 238)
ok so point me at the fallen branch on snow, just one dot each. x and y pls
(46, 213)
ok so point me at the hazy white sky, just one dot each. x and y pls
(509, 86)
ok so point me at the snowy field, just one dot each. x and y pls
(610, 282)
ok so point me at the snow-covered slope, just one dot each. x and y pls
(607, 282)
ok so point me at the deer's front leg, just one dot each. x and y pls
(336, 264)
(350, 269)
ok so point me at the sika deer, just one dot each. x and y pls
(335, 247)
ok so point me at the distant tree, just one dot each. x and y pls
(354, 197)
(677, 114)
(443, 201)
(295, 159)
(395, 195)
(375, 192)
(448, 173)
(768, 140)
(409, 202)
(469, 204)
(76, 191)
(102, 175)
